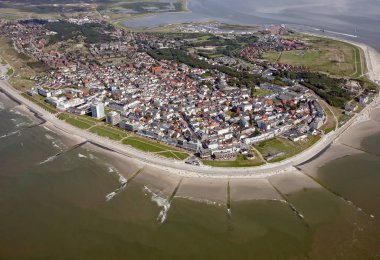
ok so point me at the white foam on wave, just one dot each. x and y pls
(22, 124)
(2, 106)
(109, 196)
(161, 201)
(49, 137)
(81, 155)
(51, 158)
(9, 134)
(122, 180)
(57, 146)
(15, 112)
(47, 128)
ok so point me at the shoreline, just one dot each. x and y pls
(190, 171)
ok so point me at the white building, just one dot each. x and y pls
(113, 118)
(97, 110)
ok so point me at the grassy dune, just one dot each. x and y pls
(333, 57)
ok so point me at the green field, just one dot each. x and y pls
(75, 121)
(262, 92)
(333, 57)
(289, 148)
(19, 67)
(241, 161)
(331, 122)
(108, 132)
(39, 101)
(155, 147)
(63, 116)
(10, 72)
(78, 123)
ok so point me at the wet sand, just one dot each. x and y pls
(158, 181)
(335, 151)
(252, 189)
(355, 136)
(69, 140)
(293, 182)
(127, 167)
(208, 190)
(6, 102)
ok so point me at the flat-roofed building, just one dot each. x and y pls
(97, 110)
(113, 118)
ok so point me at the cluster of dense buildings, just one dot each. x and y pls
(165, 100)
(272, 42)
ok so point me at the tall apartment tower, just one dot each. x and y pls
(97, 110)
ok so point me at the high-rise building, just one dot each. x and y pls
(97, 110)
(113, 118)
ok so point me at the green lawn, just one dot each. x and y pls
(10, 72)
(175, 155)
(344, 118)
(63, 116)
(334, 57)
(330, 123)
(289, 148)
(241, 161)
(108, 132)
(262, 92)
(155, 147)
(77, 123)
(90, 119)
(41, 103)
(271, 55)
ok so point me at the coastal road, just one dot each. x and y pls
(179, 167)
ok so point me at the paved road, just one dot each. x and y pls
(179, 167)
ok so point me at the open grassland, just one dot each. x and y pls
(241, 161)
(108, 132)
(262, 92)
(155, 147)
(331, 120)
(322, 54)
(18, 62)
(41, 103)
(76, 121)
(281, 145)
(22, 9)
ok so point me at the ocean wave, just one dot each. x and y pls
(10, 134)
(51, 158)
(162, 201)
(81, 155)
(18, 125)
(47, 128)
(14, 111)
(2, 106)
(49, 137)
(122, 180)
(59, 145)
(110, 195)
